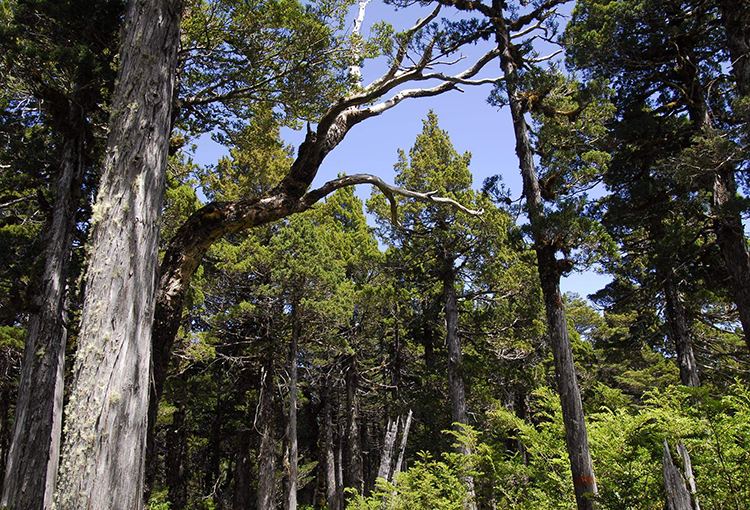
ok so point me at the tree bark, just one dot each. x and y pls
(402, 449)
(453, 342)
(730, 235)
(242, 496)
(106, 420)
(34, 453)
(175, 469)
(332, 499)
(340, 467)
(678, 496)
(689, 478)
(735, 16)
(680, 335)
(459, 414)
(265, 425)
(576, 437)
(386, 454)
(354, 475)
(293, 450)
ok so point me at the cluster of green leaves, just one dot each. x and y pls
(239, 57)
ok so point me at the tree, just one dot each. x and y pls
(518, 91)
(440, 236)
(103, 453)
(62, 61)
(676, 79)
(291, 195)
(734, 17)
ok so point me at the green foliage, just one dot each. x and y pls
(627, 446)
(243, 56)
(428, 483)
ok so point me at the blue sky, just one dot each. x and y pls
(474, 126)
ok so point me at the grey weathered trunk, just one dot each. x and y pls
(678, 495)
(453, 342)
(332, 499)
(354, 473)
(340, 469)
(386, 454)
(402, 448)
(293, 453)
(689, 477)
(576, 437)
(680, 333)
(103, 455)
(459, 414)
(265, 425)
(5, 420)
(34, 453)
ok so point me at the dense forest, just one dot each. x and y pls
(237, 336)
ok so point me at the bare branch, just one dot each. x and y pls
(403, 49)
(354, 70)
(448, 83)
(457, 80)
(537, 26)
(544, 59)
(388, 190)
(15, 201)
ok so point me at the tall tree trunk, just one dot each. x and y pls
(332, 499)
(680, 334)
(402, 448)
(340, 467)
(353, 475)
(34, 452)
(293, 453)
(730, 235)
(243, 489)
(459, 414)
(213, 448)
(455, 376)
(5, 421)
(576, 437)
(106, 420)
(735, 16)
(175, 469)
(266, 426)
(726, 208)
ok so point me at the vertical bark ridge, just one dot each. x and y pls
(34, 452)
(680, 335)
(265, 425)
(103, 455)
